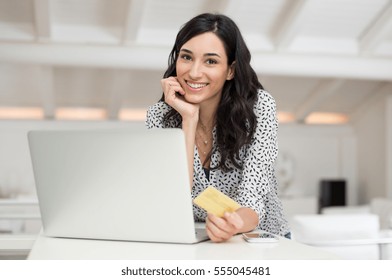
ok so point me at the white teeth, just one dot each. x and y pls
(196, 85)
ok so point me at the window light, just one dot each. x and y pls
(326, 118)
(285, 117)
(21, 113)
(80, 113)
(132, 114)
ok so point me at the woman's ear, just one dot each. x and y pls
(230, 74)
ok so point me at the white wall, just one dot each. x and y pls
(374, 140)
(320, 152)
(388, 149)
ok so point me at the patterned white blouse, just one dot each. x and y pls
(255, 186)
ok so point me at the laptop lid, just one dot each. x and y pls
(117, 185)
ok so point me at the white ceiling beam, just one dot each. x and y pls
(133, 57)
(155, 58)
(288, 24)
(348, 67)
(133, 19)
(378, 31)
(216, 6)
(380, 91)
(323, 91)
(42, 20)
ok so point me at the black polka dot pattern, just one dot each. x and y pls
(255, 186)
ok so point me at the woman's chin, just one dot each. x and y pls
(191, 99)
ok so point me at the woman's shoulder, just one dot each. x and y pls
(264, 100)
(156, 113)
(264, 96)
(159, 106)
(159, 109)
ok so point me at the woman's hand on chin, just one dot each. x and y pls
(174, 96)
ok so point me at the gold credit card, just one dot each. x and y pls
(215, 202)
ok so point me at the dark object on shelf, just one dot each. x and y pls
(332, 193)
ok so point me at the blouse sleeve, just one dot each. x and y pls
(258, 174)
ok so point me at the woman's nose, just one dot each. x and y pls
(195, 71)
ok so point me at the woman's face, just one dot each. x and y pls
(202, 68)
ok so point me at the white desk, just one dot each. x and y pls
(46, 248)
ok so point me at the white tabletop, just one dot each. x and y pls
(46, 248)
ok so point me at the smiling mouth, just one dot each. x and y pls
(196, 85)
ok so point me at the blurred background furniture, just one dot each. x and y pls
(350, 236)
(299, 205)
(352, 232)
(383, 208)
(20, 223)
(332, 193)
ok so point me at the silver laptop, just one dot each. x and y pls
(114, 185)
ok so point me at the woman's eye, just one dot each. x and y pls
(186, 57)
(211, 61)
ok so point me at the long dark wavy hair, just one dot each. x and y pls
(235, 119)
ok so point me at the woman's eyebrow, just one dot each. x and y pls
(212, 54)
(186, 50)
(207, 54)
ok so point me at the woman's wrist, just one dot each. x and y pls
(249, 217)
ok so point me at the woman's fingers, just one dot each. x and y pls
(214, 232)
(170, 86)
(235, 220)
(222, 229)
(174, 96)
(213, 237)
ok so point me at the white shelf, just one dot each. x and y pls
(19, 209)
(19, 216)
(18, 202)
(16, 241)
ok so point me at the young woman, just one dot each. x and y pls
(229, 121)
